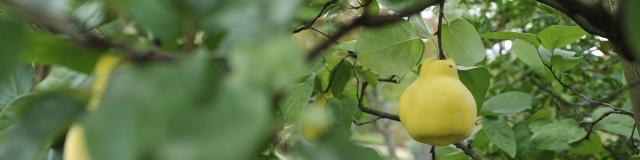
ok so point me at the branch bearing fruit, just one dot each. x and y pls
(437, 108)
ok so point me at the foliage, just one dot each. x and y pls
(228, 80)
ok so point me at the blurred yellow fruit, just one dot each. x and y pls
(437, 108)
(315, 121)
(75, 146)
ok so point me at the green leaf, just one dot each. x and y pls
(297, 98)
(36, 128)
(419, 28)
(347, 46)
(393, 49)
(461, 42)
(558, 135)
(531, 38)
(63, 78)
(500, 134)
(528, 54)
(614, 123)
(631, 25)
(590, 147)
(562, 63)
(11, 43)
(19, 83)
(526, 151)
(477, 81)
(542, 117)
(557, 36)
(368, 75)
(507, 103)
(341, 76)
(400, 5)
(343, 111)
(135, 112)
(47, 49)
(158, 16)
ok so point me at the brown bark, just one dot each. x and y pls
(632, 75)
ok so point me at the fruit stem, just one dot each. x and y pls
(439, 33)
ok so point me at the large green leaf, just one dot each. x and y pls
(461, 42)
(531, 38)
(11, 43)
(507, 103)
(142, 104)
(48, 49)
(500, 134)
(392, 49)
(342, 74)
(557, 36)
(631, 24)
(419, 28)
(36, 127)
(297, 98)
(525, 149)
(20, 82)
(558, 135)
(477, 81)
(614, 123)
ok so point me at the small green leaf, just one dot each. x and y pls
(340, 77)
(558, 135)
(36, 127)
(589, 147)
(462, 43)
(507, 103)
(557, 36)
(47, 49)
(297, 98)
(525, 149)
(562, 63)
(531, 38)
(343, 111)
(393, 49)
(368, 75)
(347, 46)
(500, 134)
(477, 81)
(528, 54)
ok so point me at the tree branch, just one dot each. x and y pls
(322, 11)
(364, 20)
(70, 27)
(373, 111)
(590, 125)
(468, 150)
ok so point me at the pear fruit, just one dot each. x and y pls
(315, 120)
(75, 146)
(437, 108)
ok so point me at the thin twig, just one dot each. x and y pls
(364, 20)
(590, 125)
(324, 9)
(439, 33)
(366, 122)
(433, 152)
(466, 148)
(566, 86)
(373, 111)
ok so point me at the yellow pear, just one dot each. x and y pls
(315, 121)
(437, 108)
(75, 146)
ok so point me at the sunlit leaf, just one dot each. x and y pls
(462, 43)
(557, 36)
(392, 49)
(531, 38)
